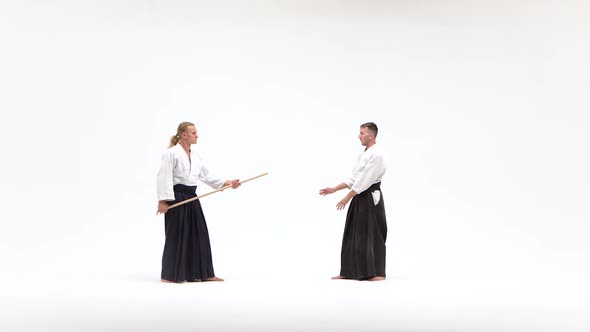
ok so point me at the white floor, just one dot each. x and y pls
(139, 302)
(103, 275)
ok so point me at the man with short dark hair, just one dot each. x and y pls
(363, 244)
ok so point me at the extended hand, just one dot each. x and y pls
(233, 183)
(327, 191)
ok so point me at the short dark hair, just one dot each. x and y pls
(371, 126)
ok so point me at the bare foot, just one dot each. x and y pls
(167, 281)
(377, 278)
(213, 279)
(338, 277)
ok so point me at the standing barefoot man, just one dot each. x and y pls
(187, 251)
(363, 244)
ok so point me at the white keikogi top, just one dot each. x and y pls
(369, 169)
(177, 169)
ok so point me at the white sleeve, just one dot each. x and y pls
(165, 183)
(209, 178)
(350, 180)
(369, 175)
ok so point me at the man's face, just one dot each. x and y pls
(190, 135)
(365, 136)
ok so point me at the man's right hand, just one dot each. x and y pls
(162, 207)
(327, 191)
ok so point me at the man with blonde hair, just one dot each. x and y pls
(187, 250)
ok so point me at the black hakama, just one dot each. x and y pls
(187, 251)
(363, 243)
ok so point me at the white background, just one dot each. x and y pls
(482, 108)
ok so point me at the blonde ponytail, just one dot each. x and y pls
(181, 128)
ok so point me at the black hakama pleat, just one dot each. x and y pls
(187, 251)
(363, 243)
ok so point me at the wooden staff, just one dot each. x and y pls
(213, 192)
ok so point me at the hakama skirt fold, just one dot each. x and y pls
(365, 232)
(187, 250)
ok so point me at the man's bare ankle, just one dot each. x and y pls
(338, 277)
(376, 278)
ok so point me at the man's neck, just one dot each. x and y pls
(370, 144)
(186, 146)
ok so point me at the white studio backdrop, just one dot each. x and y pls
(481, 107)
